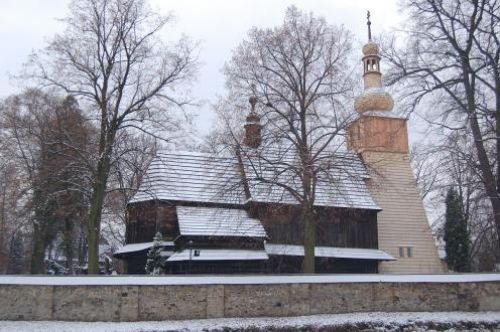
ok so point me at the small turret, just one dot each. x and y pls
(253, 128)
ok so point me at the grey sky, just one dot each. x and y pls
(219, 25)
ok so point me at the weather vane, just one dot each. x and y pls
(369, 24)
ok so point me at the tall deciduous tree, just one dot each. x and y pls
(452, 62)
(298, 72)
(111, 58)
(48, 142)
(13, 216)
(456, 235)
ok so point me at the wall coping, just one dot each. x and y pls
(244, 279)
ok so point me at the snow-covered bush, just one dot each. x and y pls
(153, 264)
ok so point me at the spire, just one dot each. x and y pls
(371, 59)
(369, 26)
(253, 127)
(252, 100)
(374, 98)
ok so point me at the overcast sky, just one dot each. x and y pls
(25, 25)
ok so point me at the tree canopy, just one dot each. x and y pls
(298, 75)
(110, 58)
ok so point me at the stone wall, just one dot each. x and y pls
(171, 302)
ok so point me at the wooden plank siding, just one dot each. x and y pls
(146, 218)
(336, 227)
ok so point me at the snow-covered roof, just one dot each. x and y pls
(340, 178)
(193, 177)
(136, 247)
(203, 221)
(207, 178)
(332, 252)
(218, 255)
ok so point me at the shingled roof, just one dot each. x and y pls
(203, 221)
(207, 178)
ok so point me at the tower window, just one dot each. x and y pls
(405, 252)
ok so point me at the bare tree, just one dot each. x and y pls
(22, 123)
(46, 138)
(110, 57)
(451, 66)
(127, 172)
(13, 194)
(451, 163)
(298, 73)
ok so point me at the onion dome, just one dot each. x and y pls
(370, 48)
(373, 98)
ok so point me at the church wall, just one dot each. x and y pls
(146, 218)
(336, 227)
(402, 223)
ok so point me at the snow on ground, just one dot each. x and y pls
(374, 321)
(241, 280)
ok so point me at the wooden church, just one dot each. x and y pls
(216, 214)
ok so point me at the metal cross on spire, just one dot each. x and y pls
(369, 26)
(253, 100)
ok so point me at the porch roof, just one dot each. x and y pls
(329, 252)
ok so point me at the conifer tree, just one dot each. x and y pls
(456, 235)
(153, 264)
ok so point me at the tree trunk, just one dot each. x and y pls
(82, 246)
(38, 252)
(496, 202)
(94, 222)
(485, 167)
(486, 171)
(309, 233)
(68, 244)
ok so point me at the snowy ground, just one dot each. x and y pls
(375, 321)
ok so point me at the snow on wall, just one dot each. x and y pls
(243, 280)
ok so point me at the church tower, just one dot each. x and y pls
(381, 138)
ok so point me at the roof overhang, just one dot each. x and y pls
(329, 252)
(218, 255)
(135, 248)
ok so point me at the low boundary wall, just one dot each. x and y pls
(196, 297)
